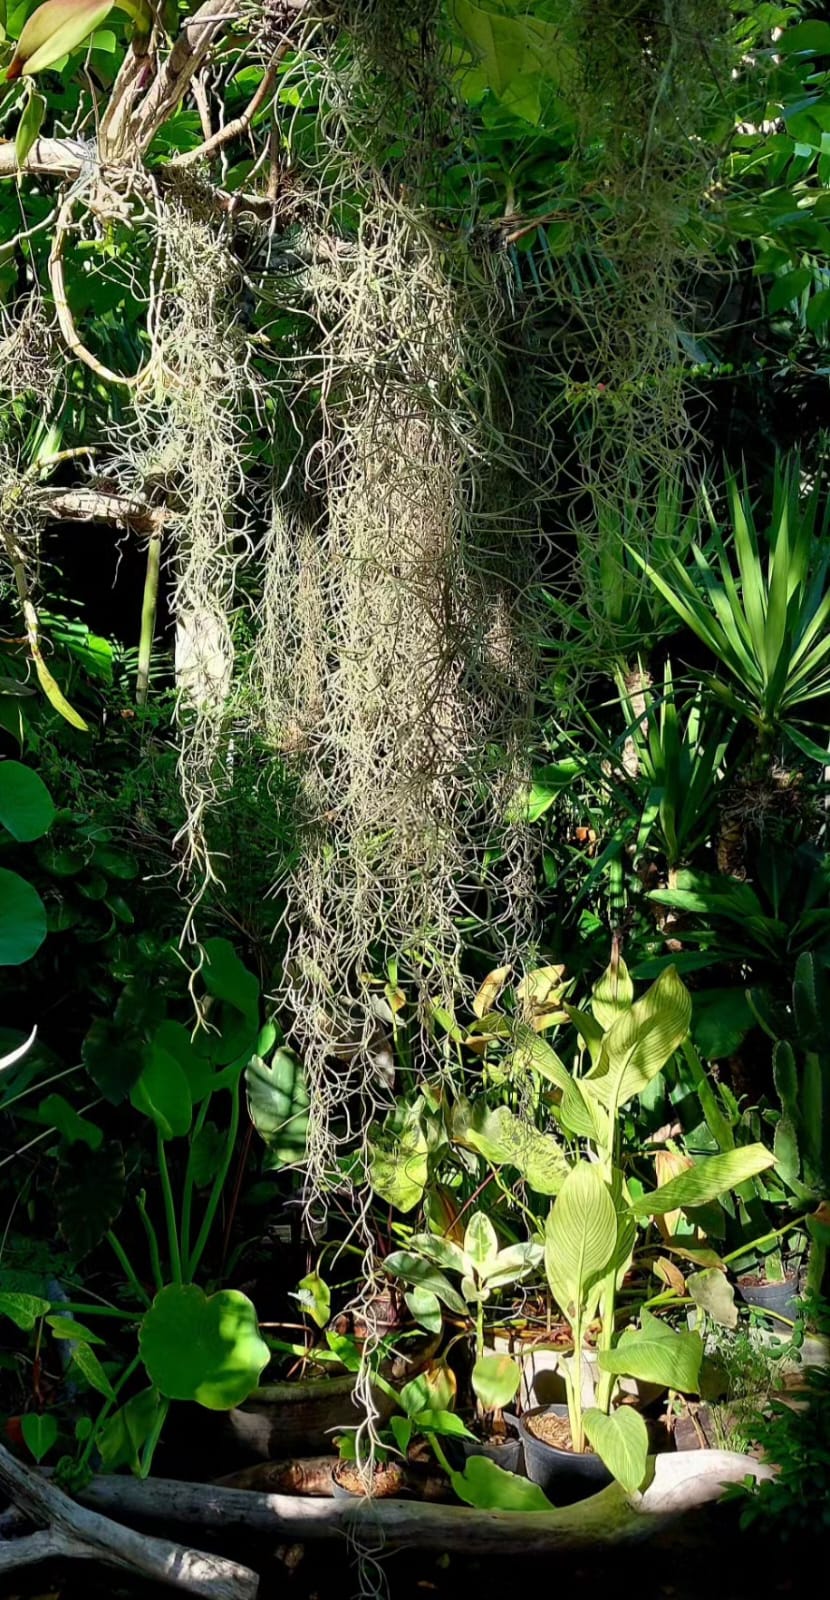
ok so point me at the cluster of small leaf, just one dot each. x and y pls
(795, 1436)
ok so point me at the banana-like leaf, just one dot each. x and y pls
(580, 1240)
(621, 1439)
(705, 1181)
(53, 30)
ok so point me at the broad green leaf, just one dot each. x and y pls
(612, 994)
(441, 1251)
(481, 1245)
(487, 1486)
(23, 1309)
(22, 920)
(712, 1291)
(201, 1348)
(88, 1364)
(228, 979)
(39, 1433)
(644, 1039)
(512, 1263)
(414, 1269)
(53, 30)
(26, 807)
(621, 1439)
(496, 1381)
(314, 1296)
(445, 1423)
(656, 1354)
(425, 1309)
(398, 1166)
(279, 1106)
(706, 1180)
(113, 1057)
(207, 1152)
(506, 1139)
(536, 1055)
(122, 1436)
(175, 1040)
(402, 1430)
(580, 1240)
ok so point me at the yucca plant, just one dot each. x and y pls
(765, 618)
(680, 763)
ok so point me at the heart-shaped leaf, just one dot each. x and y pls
(485, 1484)
(90, 1189)
(39, 1433)
(201, 1348)
(123, 1434)
(22, 920)
(23, 1309)
(26, 807)
(163, 1095)
(621, 1439)
(431, 1390)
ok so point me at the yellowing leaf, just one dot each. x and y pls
(541, 995)
(56, 697)
(53, 30)
(667, 1164)
(490, 990)
(669, 1274)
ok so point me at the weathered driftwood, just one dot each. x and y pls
(681, 1483)
(72, 1531)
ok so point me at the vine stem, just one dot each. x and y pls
(127, 1267)
(152, 1241)
(218, 1185)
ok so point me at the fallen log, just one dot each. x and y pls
(681, 1483)
(73, 1532)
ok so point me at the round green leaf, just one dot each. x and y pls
(203, 1349)
(26, 807)
(495, 1381)
(22, 920)
(621, 1440)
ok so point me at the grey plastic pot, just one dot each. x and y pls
(564, 1476)
(779, 1299)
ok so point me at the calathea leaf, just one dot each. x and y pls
(580, 1240)
(644, 1039)
(612, 994)
(656, 1354)
(705, 1181)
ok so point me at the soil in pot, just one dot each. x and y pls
(387, 1481)
(550, 1461)
(503, 1448)
(777, 1298)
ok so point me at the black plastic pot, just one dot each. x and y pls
(779, 1299)
(507, 1453)
(564, 1476)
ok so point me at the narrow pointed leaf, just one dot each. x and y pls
(709, 1178)
(53, 30)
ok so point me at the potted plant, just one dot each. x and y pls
(592, 1227)
(479, 1266)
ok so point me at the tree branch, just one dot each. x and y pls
(75, 1531)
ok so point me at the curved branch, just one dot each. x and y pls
(239, 125)
(66, 321)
